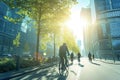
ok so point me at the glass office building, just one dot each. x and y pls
(9, 30)
(108, 26)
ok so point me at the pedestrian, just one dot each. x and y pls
(118, 57)
(93, 56)
(90, 57)
(79, 55)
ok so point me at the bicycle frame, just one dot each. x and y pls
(65, 70)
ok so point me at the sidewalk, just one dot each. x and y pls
(100, 70)
(108, 61)
(14, 73)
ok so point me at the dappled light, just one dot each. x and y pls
(59, 39)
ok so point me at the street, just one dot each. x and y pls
(83, 71)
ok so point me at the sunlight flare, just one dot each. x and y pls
(76, 23)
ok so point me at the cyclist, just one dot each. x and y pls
(63, 50)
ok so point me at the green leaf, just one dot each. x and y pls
(16, 41)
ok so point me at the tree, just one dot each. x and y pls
(69, 39)
(42, 11)
(16, 41)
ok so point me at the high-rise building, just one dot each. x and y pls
(86, 15)
(108, 21)
(9, 31)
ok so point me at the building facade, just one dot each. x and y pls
(9, 31)
(108, 21)
(86, 15)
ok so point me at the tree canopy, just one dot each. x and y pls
(48, 17)
(69, 38)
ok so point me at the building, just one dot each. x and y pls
(9, 31)
(79, 43)
(107, 13)
(28, 37)
(86, 15)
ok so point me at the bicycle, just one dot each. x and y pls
(65, 69)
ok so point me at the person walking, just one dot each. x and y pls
(79, 55)
(93, 56)
(90, 57)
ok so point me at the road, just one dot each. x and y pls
(83, 71)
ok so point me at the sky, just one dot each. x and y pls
(75, 22)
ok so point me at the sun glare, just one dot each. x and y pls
(76, 23)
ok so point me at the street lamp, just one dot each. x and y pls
(44, 54)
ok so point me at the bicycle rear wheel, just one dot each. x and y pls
(60, 68)
(63, 70)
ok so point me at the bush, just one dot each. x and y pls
(28, 63)
(6, 64)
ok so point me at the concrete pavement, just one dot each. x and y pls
(98, 70)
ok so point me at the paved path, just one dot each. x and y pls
(84, 71)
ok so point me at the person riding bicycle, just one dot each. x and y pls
(63, 50)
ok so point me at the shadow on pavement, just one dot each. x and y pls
(80, 65)
(73, 72)
(95, 63)
(46, 74)
(38, 75)
(70, 64)
(62, 77)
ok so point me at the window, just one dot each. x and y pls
(102, 5)
(115, 4)
(116, 44)
(115, 29)
(0, 48)
(6, 48)
(104, 30)
(107, 4)
(105, 44)
(1, 25)
(1, 38)
(9, 28)
(3, 8)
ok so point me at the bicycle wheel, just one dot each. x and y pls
(60, 68)
(63, 70)
(67, 69)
